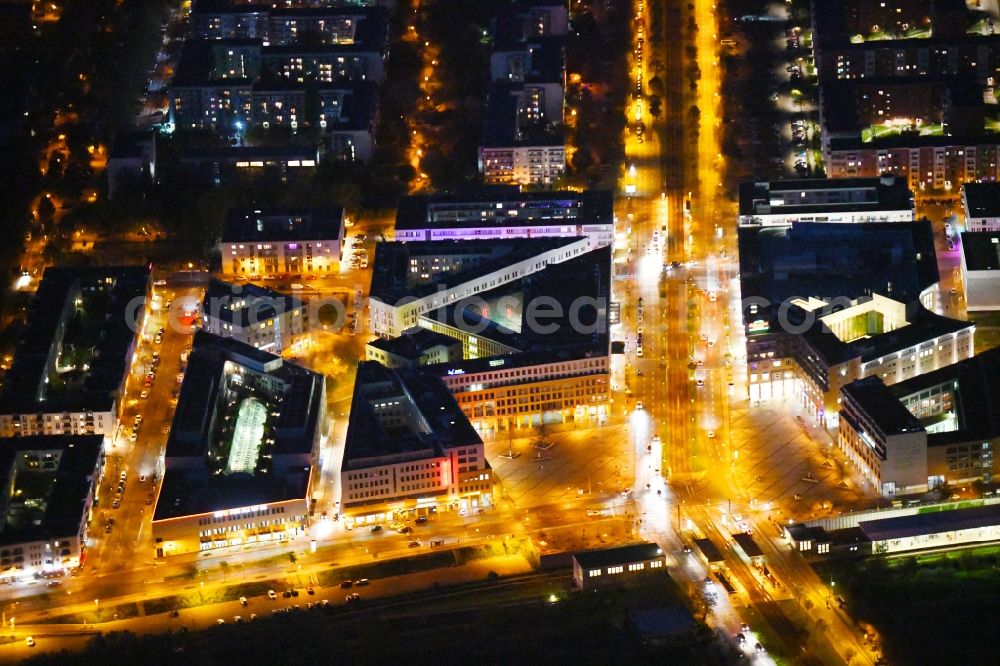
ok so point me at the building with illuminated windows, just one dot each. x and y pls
(845, 200)
(619, 565)
(71, 364)
(520, 148)
(255, 315)
(934, 429)
(48, 501)
(872, 336)
(409, 450)
(241, 456)
(500, 212)
(416, 346)
(834, 263)
(518, 367)
(282, 241)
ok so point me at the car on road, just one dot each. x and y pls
(687, 549)
(711, 434)
(30, 641)
(220, 621)
(144, 394)
(271, 595)
(362, 582)
(758, 648)
(744, 627)
(117, 503)
(243, 601)
(639, 405)
(175, 613)
(740, 638)
(310, 590)
(594, 513)
(347, 584)
(376, 529)
(421, 520)
(414, 544)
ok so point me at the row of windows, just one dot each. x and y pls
(269, 511)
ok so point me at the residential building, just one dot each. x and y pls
(981, 205)
(68, 378)
(132, 162)
(934, 429)
(409, 450)
(618, 565)
(275, 241)
(980, 254)
(254, 315)
(241, 456)
(501, 212)
(520, 145)
(841, 200)
(416, 346)
(50, 494)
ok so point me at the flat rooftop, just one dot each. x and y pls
(245, 304)
(827, 260)
(879, 402)
(935, 522)
(46, 482)
(500, 121)
(393, 279)
(77, 345)
(981, 199)
(377, 434)
(224, 381)
(824, 195)
(981, 250)
(251, 225)
(504, 206)
(609, 557)
(413, 343)
(922, 325)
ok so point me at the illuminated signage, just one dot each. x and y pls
(456, 372)
(759, 326)
(496, 363)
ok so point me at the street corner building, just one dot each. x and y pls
(241, 459)
(409, 450)
(48, 499)
(255, 315)
(298, 241)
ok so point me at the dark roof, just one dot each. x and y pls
(922, 325)
(609, 557)
(982, 199)
(709, 550)
(245, 225)
(878, 402)
(659, 622)
(981, 250)
(422, 212)
(546, 57)
(749, 546)
(368, 443)
(189, 487)
(233, 154)
(261, 303)
(935, 522)
(976, 397)
(835, 259)
(24, 387)
(391, 269)
(838, 195)
(413, 343)
(133, 144)
(67, 496)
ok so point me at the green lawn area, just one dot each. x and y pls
(883, 131)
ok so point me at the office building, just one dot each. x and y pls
(48, 503)
(873, 336)
(282, 241)
(826, 261)
(980, 254)
(254, 315)
(239, 467)
(935, 429)
(843, 200)
(409, 451)
(501, 212)
(69, 370)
